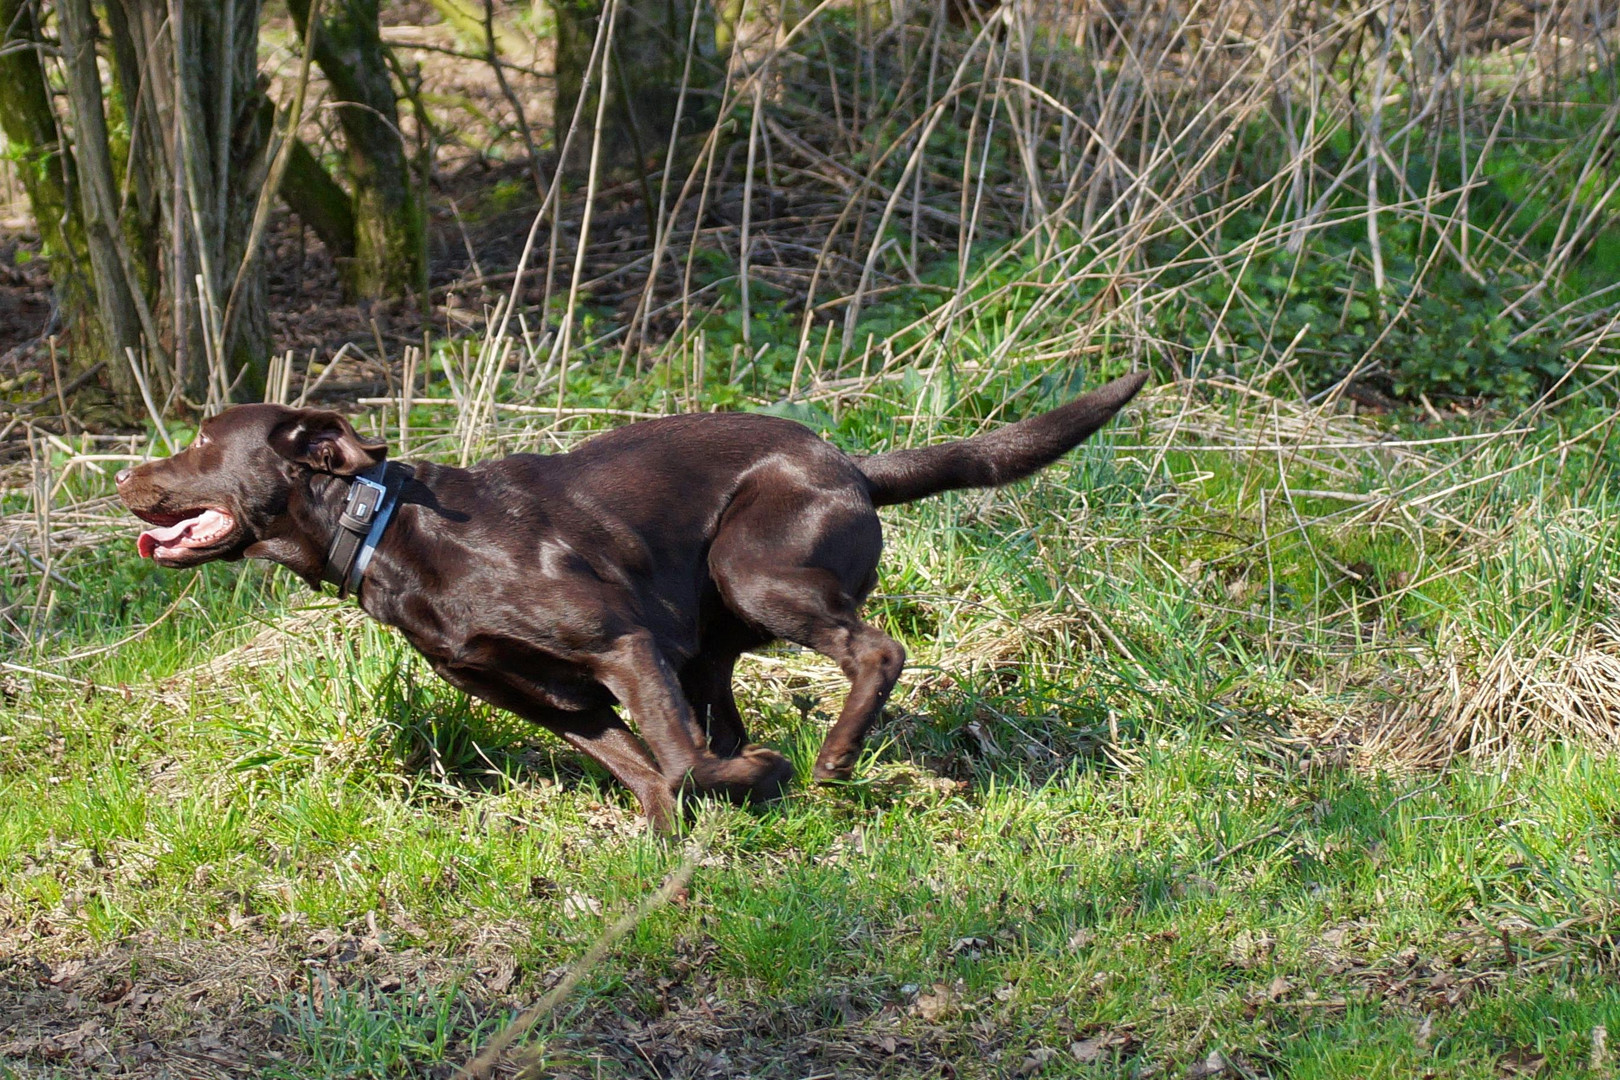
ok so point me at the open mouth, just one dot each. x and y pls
(175, 534)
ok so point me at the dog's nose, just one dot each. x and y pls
(122, 477)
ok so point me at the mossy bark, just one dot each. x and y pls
(649, 45)
(46, 169)
(390, 253)
(43, 163)
(311, 193)
(139, 208)
(198, 122)
(117, 306)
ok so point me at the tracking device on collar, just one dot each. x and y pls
(372, 495)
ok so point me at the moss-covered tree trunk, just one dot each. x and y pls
(312, 194)
(390, 254)
(46, 169)
(43, 163)
(650, 39)
(188, 88)
(120, 305)
(159, 188)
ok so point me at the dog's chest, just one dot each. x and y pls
(516, 677)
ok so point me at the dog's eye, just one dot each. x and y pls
(200, 440)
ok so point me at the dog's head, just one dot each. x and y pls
(244, 486)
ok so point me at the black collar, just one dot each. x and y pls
(372, 495)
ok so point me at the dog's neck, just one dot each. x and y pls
(302, 538)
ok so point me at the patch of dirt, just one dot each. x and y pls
(155, 1007)
(701, 1036)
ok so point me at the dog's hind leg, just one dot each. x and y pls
(804, 582)
(807, 606)
(706, 680)
(872, 661)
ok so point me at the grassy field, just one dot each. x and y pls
(1270, 734)
(1128, 816)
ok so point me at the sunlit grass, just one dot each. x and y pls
(1090, 839)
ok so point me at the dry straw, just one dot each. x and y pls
(1504, 705)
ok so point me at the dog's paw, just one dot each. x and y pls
(775, 771)
(757, 774)
(833, 768)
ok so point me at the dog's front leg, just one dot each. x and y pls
(598, 733)
(635, 671)
(606, 738)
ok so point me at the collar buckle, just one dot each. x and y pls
(372, 495)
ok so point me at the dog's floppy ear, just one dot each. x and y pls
(326, 442)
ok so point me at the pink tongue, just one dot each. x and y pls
(206, 523)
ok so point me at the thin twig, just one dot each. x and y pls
(676, 881)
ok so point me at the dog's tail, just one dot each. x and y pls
(999, 457)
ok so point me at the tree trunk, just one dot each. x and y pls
(649, 58)
(46, 169)
(117, 301)
(159, 188)
(390, 252)
(45, 166)
(311, 193)
(199, 124)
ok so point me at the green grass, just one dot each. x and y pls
(1301, 919)
(1096, 837)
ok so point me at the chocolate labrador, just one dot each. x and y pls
(630, 572)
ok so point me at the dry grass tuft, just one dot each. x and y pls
(1505, 705)
(278, 643)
